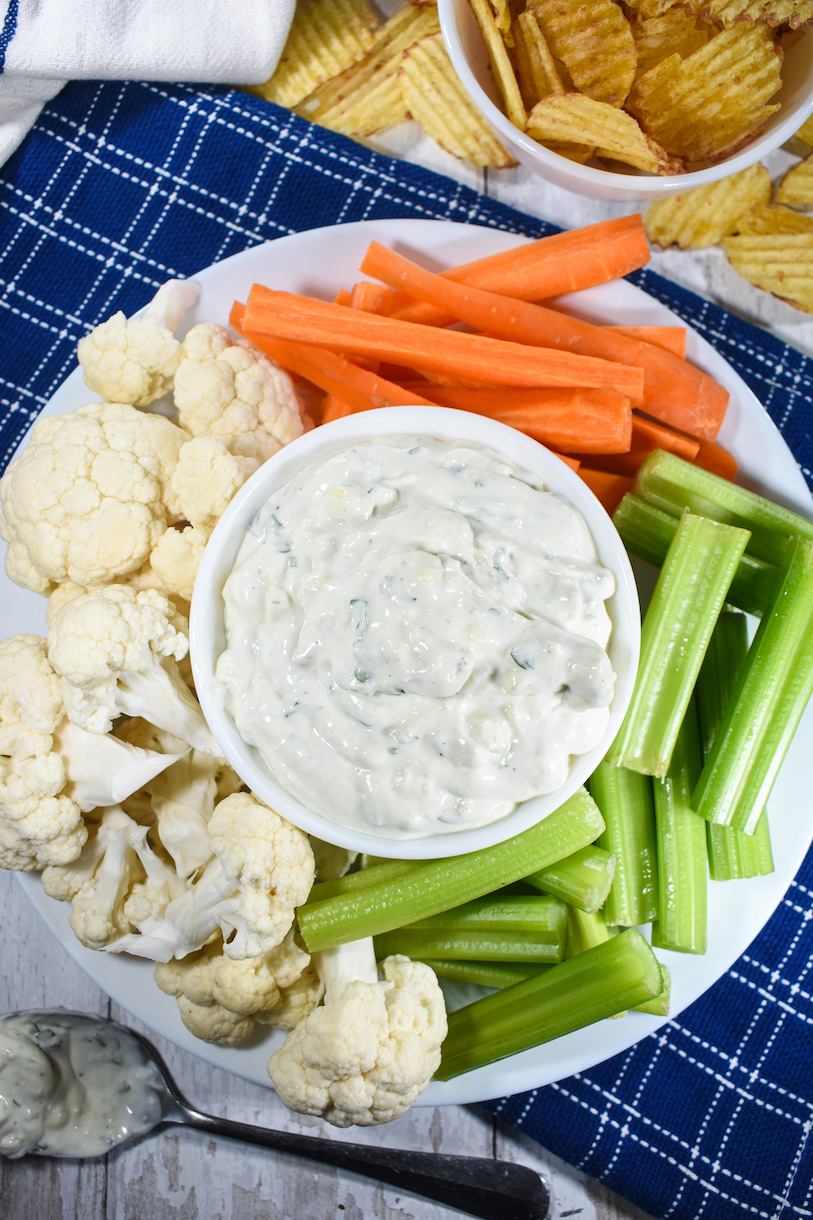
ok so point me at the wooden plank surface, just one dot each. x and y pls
(185, 1176)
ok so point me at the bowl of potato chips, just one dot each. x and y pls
(637, 100)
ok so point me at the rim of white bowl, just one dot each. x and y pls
(207, 632)
(649, 185)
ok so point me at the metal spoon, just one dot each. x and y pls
(493, 1190)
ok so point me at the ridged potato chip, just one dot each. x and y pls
(707, 105)
(781, 263)
(435, 97)
(793, 13)
(500, 61)
(796, 187)
(673, 33)
(650, 8)
(704, 216)
(326, 36)
(594, 42)
(367, 97)
(577, 119)
(773, 218)
(536, 69)
(805, 132)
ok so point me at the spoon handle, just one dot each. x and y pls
(493, 1190)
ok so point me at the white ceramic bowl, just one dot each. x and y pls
(467, 52)
(208, 637)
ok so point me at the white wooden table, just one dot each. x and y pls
(187, 1176)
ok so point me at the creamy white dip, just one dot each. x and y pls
(71, 1085)
(416, 636)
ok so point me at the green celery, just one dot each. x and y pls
(475, 945)
(598, 983)
(627, 806)
(485, 974)
(658, 1006)
(681, 836)
(688, 597)
(732, 853)
(436, 885)
(646, 531)
(586, 931)
(582, 880)
(535, 913)
(353, 883)
(672, 484)
(772, 689)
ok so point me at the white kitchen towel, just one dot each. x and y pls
(45, 43)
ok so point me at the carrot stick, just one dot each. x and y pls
(608, 488)
(336, 375)
(372, 298)
(718, 460)
(670, 338)
(647, 435)
(336, 407)
(343, 297)
(470, 359)
(548, 267)
(572, 462)
(674, 391)
(567, 420)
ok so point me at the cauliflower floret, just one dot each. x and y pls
(134, 360)
(228, 389)
(87, 499)
(207, 477)
(117, 652)
(176, 558)
(262, 869)
(51, 772)
(220, 999)
(364, 1057)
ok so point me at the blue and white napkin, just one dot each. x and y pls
(120, 186)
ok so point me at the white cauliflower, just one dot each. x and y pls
(134, 360)
(175, 560)
(116, 879)
(51, 772)
(371, 1049)
(229, 390)
(262, 869)
(206, 478)
(117, 653)
(89, 497)
(220, 999)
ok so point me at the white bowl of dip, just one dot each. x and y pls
(209, 636)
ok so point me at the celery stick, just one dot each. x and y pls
(681, 836)
(627, 806)
(646, 531)
(732, 853)
(485, 974)
(437, 885)
(602, 981)
(497, 913)
(672, 485)
(585, 930)
(484, 946)
(583, 880)
(658, 1006)
(688, 597)
(352, 883)
(771, 692)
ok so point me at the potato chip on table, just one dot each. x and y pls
(326, 36)
(704, 216)
(434, 96)
(780, 263)
(577, 119)
(796, 187)
(773, 218)
(705, 106)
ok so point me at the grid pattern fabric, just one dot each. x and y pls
(123, 185)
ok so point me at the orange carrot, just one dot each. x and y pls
(470, 359)
(647, 435)
(336, 407)
(572, 462)
(548, 267)
(372, 298)
(569, 421)
(343, 297)
(336, 375)
(718, 460)
(670, 338)
(674, 391)
(608, 488)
